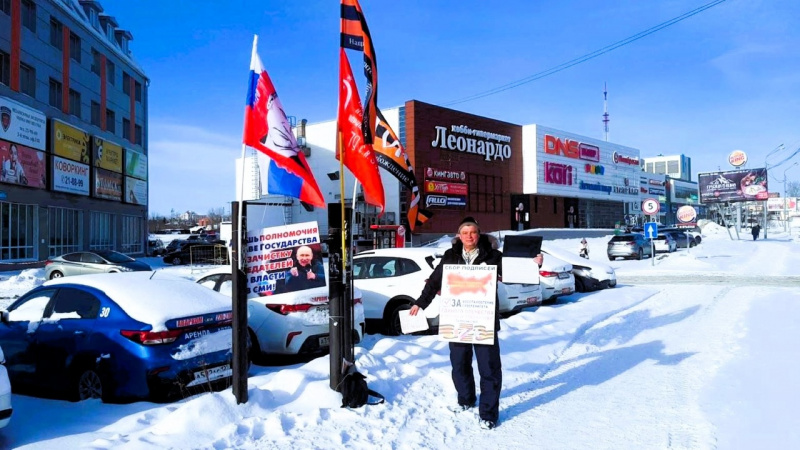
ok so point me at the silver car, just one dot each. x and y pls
(631, 245)
(86, 263)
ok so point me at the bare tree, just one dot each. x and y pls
(793, 189)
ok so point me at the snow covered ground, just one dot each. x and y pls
(692, 352)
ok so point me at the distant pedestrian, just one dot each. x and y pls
(756, 231)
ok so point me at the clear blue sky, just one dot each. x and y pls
(727, 78)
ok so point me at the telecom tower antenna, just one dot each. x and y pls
(605, 109)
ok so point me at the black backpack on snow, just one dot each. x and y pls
(355, 392)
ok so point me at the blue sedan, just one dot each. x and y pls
(118, 337)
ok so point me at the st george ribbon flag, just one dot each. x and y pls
(267, 129)
(389, 152)
(358, 157)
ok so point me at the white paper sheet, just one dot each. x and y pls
(412, 324)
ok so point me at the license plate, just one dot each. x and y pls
(531, 300)
(563, 275)
(566, 290)
(324, 341)
(211, 374)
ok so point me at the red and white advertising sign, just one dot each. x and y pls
(686, 214)
(445, 175)
(443, 187)
(22, 165)
(737, 158)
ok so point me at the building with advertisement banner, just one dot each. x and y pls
(72, 102)
(505, 175)
(733, 186)
(683, 193)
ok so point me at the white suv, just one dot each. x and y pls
(391, 279)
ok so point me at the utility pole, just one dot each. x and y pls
(605, 110)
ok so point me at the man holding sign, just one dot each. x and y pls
(467, 290)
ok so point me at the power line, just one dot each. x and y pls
(587, 56)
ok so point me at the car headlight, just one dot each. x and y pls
(125, 269)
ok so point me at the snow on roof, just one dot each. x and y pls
(153, 297)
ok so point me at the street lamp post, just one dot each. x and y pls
(785, 200)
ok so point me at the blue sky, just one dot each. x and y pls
(724, 79)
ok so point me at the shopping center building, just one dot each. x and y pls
(73, 140)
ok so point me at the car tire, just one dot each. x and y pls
(611, 258)
(393, 327)
(640, 254)
(56, 274)
(176, 261)
(692, 244)
(579, 285)
(254, 354)
(88, 384)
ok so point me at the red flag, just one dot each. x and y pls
(267, 129)
(358, 157)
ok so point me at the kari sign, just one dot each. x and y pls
(287, 259)
(70, 142)
(467, 308)
(22, 165)
(21, 124)
(555, 173)
(70, 176)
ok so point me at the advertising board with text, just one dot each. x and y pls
(733, 186)
(22, 124)
(286, 259)
(135, 164)
(70, 176)
(107, 184)
(22, 165)
(107, 155)
(467, 308)
(444, 193)
(70, 142)
(135, 191)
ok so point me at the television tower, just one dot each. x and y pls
(605, 109)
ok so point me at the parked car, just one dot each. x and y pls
(683, 239)
(290, 323)
(664, 242)
(589, 275)
(392, 278)
(87, 263)
(125, 337)
(175, 244)
(556, 278)
(630, 245)
(155, 247)
(5, 392)
(198, 252)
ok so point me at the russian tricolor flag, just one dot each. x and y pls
(267, 129)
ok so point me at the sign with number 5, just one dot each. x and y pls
(650, 206)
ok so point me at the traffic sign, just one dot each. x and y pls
(650, 206)
(651, 230)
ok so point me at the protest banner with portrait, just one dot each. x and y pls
(284, 259)
(467, 311)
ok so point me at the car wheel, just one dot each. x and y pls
(611, 258)
(579, 285)
(254, 354)
(176, 261)
(692, 244)
(89, 385)
(640, 254)
(56, 274)
(393, 327)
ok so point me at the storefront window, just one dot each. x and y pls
(66, 229)
(101, 231)
(17, 231)
(485, 193)
(132, 234)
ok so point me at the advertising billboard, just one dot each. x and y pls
(135, 191)
(70, 142)
(70, 176)
(22, 165)
(733, 186)
(21, 124)
(107, 185)
(106, 155)
(135, 164)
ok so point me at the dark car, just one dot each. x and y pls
(682, 238)
(87, 263)
(631, 245)
(198, 252)
(111, 337)
(155, 247)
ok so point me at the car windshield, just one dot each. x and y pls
(114, 257)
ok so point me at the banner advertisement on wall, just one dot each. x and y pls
(22, 165)
(135, 164)
(135, 191)
(445, 188)
(21, 124)
(107, 155)
(107, 185)
(70, 142)
(733, 186)
(70, 176)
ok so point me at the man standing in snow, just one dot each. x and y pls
(471, 247)
(756, 230)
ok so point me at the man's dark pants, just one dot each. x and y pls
(490, 371)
